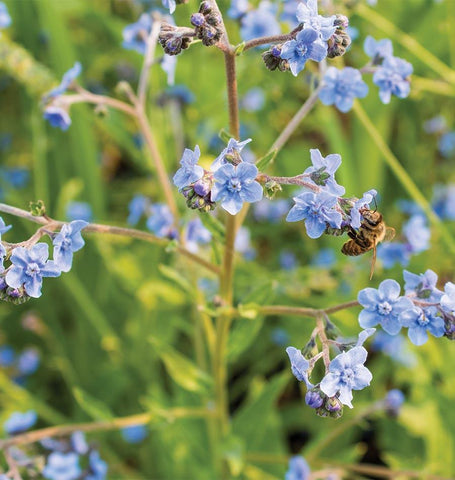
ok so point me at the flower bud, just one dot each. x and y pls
(197, 19)
(314, 398)
(340, 40)
(332, 408)
(273, 60)
(271, 188)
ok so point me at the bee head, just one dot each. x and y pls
(371, 216)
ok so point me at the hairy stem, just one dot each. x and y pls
(110, 230)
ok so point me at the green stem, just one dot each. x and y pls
(402, 175)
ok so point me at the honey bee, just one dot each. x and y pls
(372, 231)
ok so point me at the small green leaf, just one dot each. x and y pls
(239, 49)
(225, 135)
(93, 407)
(182, 370)
(266, 159)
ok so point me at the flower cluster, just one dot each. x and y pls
(19, 365)
(323, 208)
(30, 264)
(391, 74)
(422, 310)
(230, 180)
(344, 373)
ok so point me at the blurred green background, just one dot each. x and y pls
(112, 332)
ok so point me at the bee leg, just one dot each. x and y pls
(373, 262)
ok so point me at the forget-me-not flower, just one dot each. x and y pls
(79, 443)
(62, 466)
(233, 149)
(189, 171)
(79, 211)
(383, 306)
(299, 365)
(58, 117)
(307, 13)
(97, 466)
(394, 253)
(196, 234)
(161, 221)
(317, 210)
(341, 87)
(423, 285)
(306, 46)
(135, 35)
(137, 208)
(134, 433)
(322, 171)
(347, 373)
(392, 78)
(364, 202)
(420, 321)
(5, 19)
(66, 242)
(443, 201)
(393, 401)
(28, 361)
(235, 185)
(29, 267)
(417, 233)
(261, 22)
(395, 346)
(67, 79)
(20, 422)
(238, 8)
(298, 469)
(448, 299)
(170, 4)
(377, 50)
(446, 144)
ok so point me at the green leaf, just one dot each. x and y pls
(239, 49)
(266, 159)
(176, 277)
(214, 226)
(225, 136)
(242, 336)
(93, 407)
(182, 370)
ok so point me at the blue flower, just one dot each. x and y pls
(242, 243)
(444, 201)
(78, 443)
(314, 399)
(288, 260)
(5, 19)
(137, 208)
(28, 361)
(377, 50)
(67, 80)
(324, 258)
(279, 336)
(134, 433)
(58, 117)
(235, 185)
(355, 216)
(3, 227)
(253, 100)
(181, 93)
(322, 172)
(307, 13)
(16, 177)
(423, 285)
(190, 171)
(446, 144)
(417, 233)
(393, 401)
(420, 321)
(383, 306)
(66, 242)
(260, 22)
(29, 266)
(168, 65)
(318, 211)
(7, 356)
(79, 211)
(135, 35)
(232, 151)
(298, 469)
(288, 13)
(196, 234)
(392, 78)
(62, 466)
(306, 46)
(20, 422)
(448, 299)
(392, 253)
(341, 87)
(161, 221)
(299, 365)
(170, 4)
(271, 211)
(347, 373)
(97, 466)
(238, 8)
(395, 346)
(436, 124)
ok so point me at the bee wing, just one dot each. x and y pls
(389, 234)
(373, 262)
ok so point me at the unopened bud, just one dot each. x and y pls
(314, 398)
